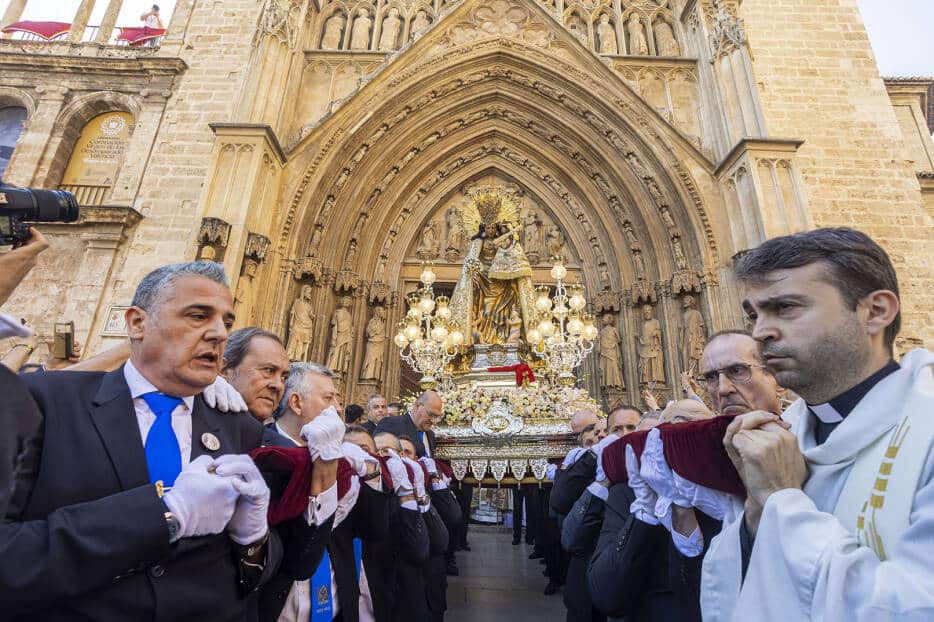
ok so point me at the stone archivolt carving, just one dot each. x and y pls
(341, 342)
(428, 246)
(649, 347)
(301, 325)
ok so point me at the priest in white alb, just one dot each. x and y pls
(839, 517)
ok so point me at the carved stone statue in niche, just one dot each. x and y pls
(638, 46)
(389, 37)
(665, 41)
(375, 352)
(341, 346)
(419, 23)
(428, 245)
(680, 260)
(692, 335)
(555, 243)
(606, 35)
(351, 256)
(532, 236)
(455, 237)
(243, 297)
(611, 361)
(577, 28)
(639, 263)
(333, 32)
(649, 346)
(360, 35)
(301, 326)
(314, 243)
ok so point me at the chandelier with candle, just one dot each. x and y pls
(565, 333)
(428, 338)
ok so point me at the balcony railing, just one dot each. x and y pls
(87, 195)
(90, 34)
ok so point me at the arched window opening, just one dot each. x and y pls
(11, 126)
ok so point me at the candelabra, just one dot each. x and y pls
(428, 337)
(565, 334)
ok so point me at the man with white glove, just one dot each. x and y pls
(418, 484)
(105, 546)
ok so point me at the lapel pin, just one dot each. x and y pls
(210, 442)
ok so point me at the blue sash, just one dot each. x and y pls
(322, 602)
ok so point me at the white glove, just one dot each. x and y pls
(656, 472)
(643, 508)
(713, 503)
(573, 457)
(202, 502)
(222, 396)
(357, 458)
(419, 478)
(430, 464)
(400, 477)
(248, 523)
(324, 435)
(598, 449)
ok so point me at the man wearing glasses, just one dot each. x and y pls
(735, 377)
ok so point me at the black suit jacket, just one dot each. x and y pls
(579, 534)
(406, 546)
(571, 483)
(303, 544)
(403, 425)
(20, 420)
(628, 572)
(92, 540)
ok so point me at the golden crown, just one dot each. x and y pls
(489, 205)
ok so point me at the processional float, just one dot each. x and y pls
(501, 351)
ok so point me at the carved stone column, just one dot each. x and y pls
(763, 190)
(80, 21)
(108, 22)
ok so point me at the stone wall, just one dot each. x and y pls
(818, 81)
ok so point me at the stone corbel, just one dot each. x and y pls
(256, 247)
(309, 267)
(685, 282)
(346, 281)
(643, 292)
(607, 301)
(212, 239)
(380, 293)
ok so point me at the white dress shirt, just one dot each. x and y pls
(181, 416)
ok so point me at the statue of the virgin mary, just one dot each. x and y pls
(496, 278)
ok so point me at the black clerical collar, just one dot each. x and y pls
(839, 407)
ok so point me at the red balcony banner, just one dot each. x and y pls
(140, 35)
(46, 30)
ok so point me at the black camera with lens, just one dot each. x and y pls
(21, 205)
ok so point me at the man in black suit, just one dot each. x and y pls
(144, 506)
(257, 366)
(417, 425)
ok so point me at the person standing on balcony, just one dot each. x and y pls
(152, 20)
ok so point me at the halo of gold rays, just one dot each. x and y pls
(488, 205)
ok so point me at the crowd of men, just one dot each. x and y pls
(198, 474)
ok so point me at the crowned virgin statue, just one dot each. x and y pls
(496, 280)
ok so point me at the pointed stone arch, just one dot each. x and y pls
(525, 99)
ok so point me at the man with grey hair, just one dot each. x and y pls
(144, 492)
(418, 424)
(375, 411)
